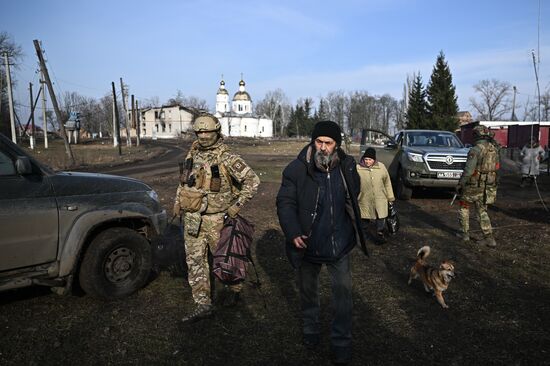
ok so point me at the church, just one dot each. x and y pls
(237, 118)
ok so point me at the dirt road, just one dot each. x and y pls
(499, 301)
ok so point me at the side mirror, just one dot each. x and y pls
(23, 165)
(391, 145)
(468, 145)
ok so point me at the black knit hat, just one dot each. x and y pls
(329, 129)
(369, 153)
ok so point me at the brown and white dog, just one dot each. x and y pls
(436, 279)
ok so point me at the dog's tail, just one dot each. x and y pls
(423, 252)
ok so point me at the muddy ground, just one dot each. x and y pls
(499, 301)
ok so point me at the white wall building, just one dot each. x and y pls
(237, 118)
(168, 121)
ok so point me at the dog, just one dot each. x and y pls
(434, 279)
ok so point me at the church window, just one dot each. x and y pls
(157, 127)
(144, 131)
(244, 128)
(170, 127)
(156, 115)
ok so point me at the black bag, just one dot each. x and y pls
(392, 221)
(233, 251)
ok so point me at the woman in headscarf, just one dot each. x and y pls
(376, 192)
(531, 154)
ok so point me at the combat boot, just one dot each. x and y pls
(202, 311)
(489, 241)
(463, 236)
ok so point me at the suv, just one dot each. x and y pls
(56, 227)
(423, 158)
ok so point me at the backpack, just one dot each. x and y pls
(488, 165)
(489, 159)
(233, 251)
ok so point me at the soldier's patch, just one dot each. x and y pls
(238, 166)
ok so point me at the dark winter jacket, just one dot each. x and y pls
(299, 201)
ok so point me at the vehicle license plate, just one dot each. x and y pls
(449, 175)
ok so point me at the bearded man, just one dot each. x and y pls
(319, 214)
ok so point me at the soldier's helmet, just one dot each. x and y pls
(206, 123)
(481, 131)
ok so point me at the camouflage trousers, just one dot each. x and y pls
(482, 217)
(197, 250)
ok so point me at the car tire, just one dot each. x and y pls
(116, 264)
(403, 191)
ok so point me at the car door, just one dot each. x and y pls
(28, 214)
(387, 148)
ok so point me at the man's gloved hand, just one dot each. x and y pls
(234, 210)
(177, 209)
(458, 190)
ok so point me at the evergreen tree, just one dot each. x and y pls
(417, 109)
(442, 100)
(301, 123)
(321, 114)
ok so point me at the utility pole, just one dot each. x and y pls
(44, 120)
(115, 120)
(54, 100)
(514, 118)
(123, 91)
(138, 123)
(10, 98)
(32, 117)
(115, 138)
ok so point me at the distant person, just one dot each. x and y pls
(376, 192)
(204, 196)
(531, 155)
(478, 185)
(319, 214)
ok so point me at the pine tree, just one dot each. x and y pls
(417, 108)
(442, 100)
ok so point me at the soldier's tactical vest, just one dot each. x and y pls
(485, 174)
(212, 178)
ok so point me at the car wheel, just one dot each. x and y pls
(116, 264)
(404, 192)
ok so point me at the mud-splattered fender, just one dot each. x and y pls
(71, 246)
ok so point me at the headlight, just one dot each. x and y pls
(415, 157)
(154, 196)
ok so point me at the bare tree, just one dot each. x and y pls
(151, 102)
(338, 106)
(14, 52)
(188, 101)
(545, 105)
(276, 107)
(494, 100)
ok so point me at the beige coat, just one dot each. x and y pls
(376, 191)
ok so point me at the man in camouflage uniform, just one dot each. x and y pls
(206, 193)
(478, 185)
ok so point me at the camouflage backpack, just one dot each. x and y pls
(488, 164)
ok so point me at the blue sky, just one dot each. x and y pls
(306, 48)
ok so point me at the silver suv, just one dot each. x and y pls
(56, 227)
(423, 158)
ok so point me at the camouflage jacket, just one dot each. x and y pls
(237, 182)
(478, 186)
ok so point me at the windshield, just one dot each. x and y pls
(433, 138)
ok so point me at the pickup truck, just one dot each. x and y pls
(422, 158)
(61, 227)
